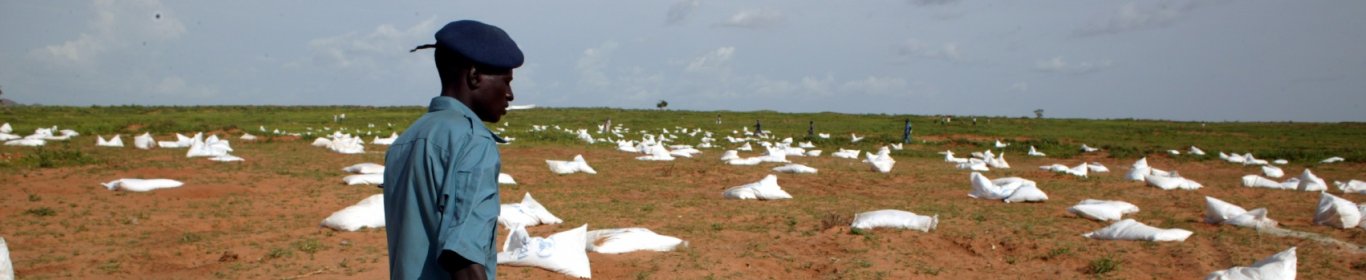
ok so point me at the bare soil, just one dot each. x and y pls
(259, 219)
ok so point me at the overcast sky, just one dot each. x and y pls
(1254, 60)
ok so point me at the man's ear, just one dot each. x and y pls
(472, 78)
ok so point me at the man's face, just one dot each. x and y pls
(492, 97)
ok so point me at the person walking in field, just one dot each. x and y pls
(441, 178)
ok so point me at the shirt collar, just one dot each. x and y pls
(441, 103)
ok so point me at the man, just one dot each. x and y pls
(906, 133)
(441, 175)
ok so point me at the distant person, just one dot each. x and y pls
(718, 118)
(906, 133)
(811, 129)
(607, 126)
(441, 176)
(758, 128)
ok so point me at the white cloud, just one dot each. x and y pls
(913, 47)
(875, 85)
(1134, 16)
(754, 19)
(363, 51)
(680, 11)
(714, 61)
(593, 63)
(1019, 87)
(115, 26)
(1058, 65)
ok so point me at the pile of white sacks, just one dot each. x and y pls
(365, 173)
(39, 137)
(1081, 170)
(1009, 189)
(1140, 171)
(341, 143)
(979, 162)
(1307, 181)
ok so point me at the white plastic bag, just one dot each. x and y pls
(144, 141)
(1103, 210)
(364, 179)
(6, 267)
(505, 179)
(1336, 212)
(563, 252)
(529, 212)
(898, 219)
(141, 185)
(369, 212)
(1280, 266)
(795, 168)
(626, 240)
(1272, 171)
(1310, 183)
(570, 167)
(1129, 229)
(1221, 212)
(364, 168)
(983, 188)
(1257, 181)
(766, 189)
(1352, 186)
(1028, 193)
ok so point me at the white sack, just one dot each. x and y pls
(227, 158)
(364, 168)
(529, 212)
(897, 219)
(626, 240)
(6, 267)
(563, 252)
(746, 161)
(1221, 212)
(1332, 160)
(369, 212)
(1102, 210)
(730, 155)
(766, 189)
(144, 141)
(505, 179)
(1336, 212)
(795, 168)
(1311, 183)
(983, 188)
(364, 179)
(1097, 167)
(1035, 153)
(1280, 266)
(570, 167)
(26, 142)
(113, 142)
(1351, 186)
(1027, 194)
(1129, 229)
(1255, 181)
(1171, 183)
(141, 185)
(1272, 171)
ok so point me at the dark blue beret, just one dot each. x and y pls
(482, 43)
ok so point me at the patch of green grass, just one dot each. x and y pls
(1103, 265)
(190, 237)
(44, 157)
(309, 246)
(276, 253)
(41, 212)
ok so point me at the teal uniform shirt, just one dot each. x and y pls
(441, 192)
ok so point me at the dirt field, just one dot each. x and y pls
(259, 219)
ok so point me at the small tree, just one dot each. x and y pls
(662, 105)
(1038, 113)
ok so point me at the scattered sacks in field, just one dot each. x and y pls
(1088, 149)
(1351, 186)
(369, 212)
(529, 212)
(247, 137)
(1337, 212)
(141, 185)
(364, 179)
(364, 168)
(849, 154)
(1272, 171)
(113, 142)
(1172, 181)
(1196, 151)
(1080, 170)
(1221, 212)
(881, 162)
(897, 219)
(1332, 160)
(1035, 153)
(1280, 266)
(1256, 181)
(795, 168)
(626, 240)
(1129, 229)
(570, 167)
(1102, 210)
(1011, 189)
(564, 252)
(505, 179)
(766, 189)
